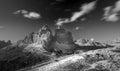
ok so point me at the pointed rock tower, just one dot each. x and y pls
(63, 41)
(38, 41)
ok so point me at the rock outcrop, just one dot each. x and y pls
(87, 42)
(38, 41)
(43, 36)
(63, 42)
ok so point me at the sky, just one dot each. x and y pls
(98, 19)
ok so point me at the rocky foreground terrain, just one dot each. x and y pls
(45, 51)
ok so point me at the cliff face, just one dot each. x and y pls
(43, 36)
(38, 41)
(63, 41)
(63, 36)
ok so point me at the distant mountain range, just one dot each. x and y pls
(4, 43)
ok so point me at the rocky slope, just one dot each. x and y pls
(96, 60)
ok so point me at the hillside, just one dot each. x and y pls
(96, 60)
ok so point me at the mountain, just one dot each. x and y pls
(27, 52)
(4, 44)
(38, 41)
(36, 47)
(85, 45)
(43, 50)
(87, 42)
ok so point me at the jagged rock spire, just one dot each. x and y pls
(43, 34)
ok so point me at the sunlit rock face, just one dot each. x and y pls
(39, 40)
(63, 41)
(43, 37)
(44, 34)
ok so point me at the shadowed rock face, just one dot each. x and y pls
(63, 36)
(63, 41)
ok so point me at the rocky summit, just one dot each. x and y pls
(44, 35)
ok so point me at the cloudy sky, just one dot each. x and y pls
(98, 19)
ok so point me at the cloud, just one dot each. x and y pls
(117, 6)
(83, 19)
(112, 18)
(85, 9)
(112, 12)
(33, 15)
(77, 28)
(60, 22)
(26, 14)
(20, 11)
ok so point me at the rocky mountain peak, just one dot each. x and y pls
(45, 27)
(39, 37)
